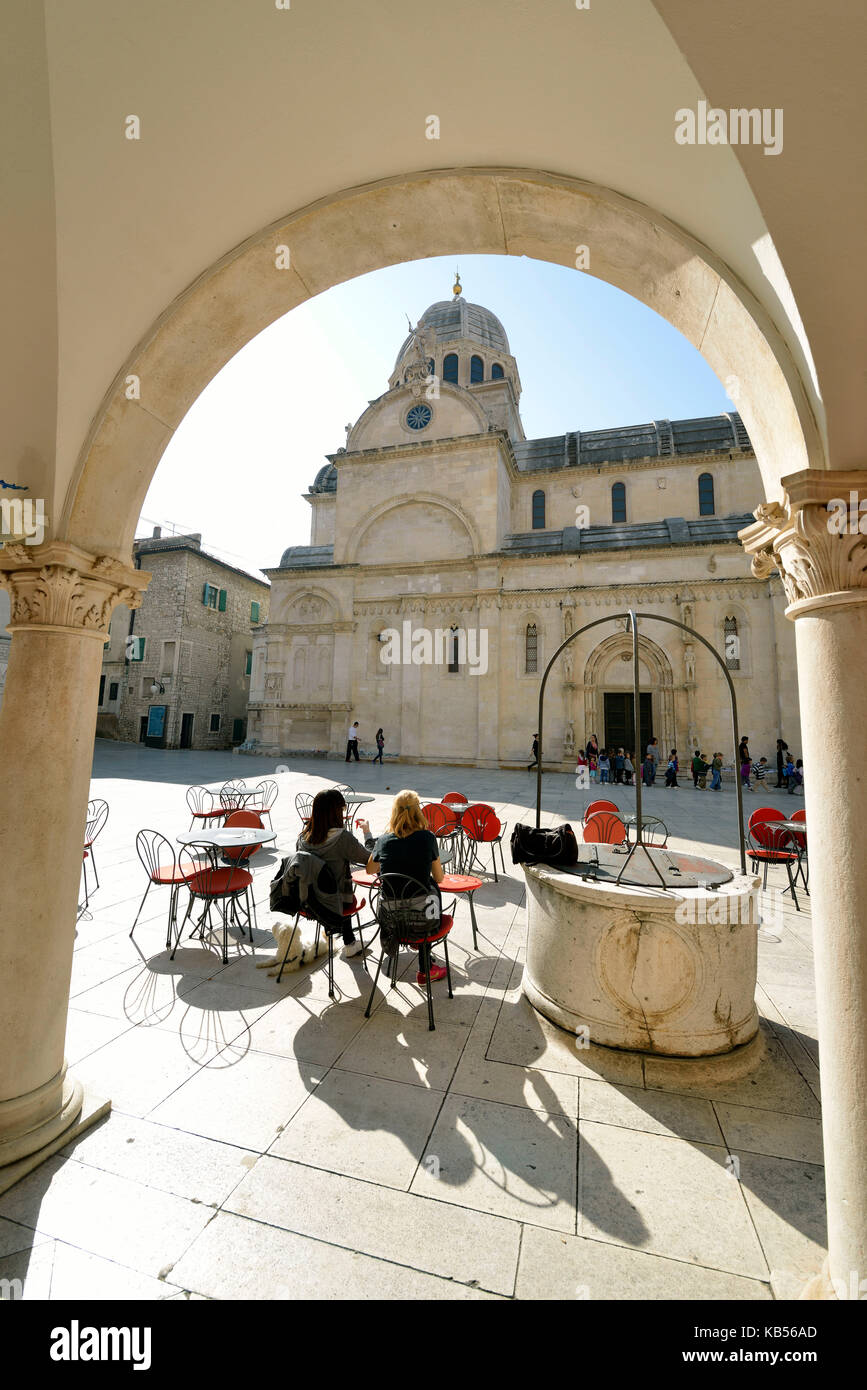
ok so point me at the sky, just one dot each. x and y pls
(590, 357)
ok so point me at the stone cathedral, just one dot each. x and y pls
(450, 556)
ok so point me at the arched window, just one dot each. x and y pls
(539, 510)
(705, 495)
(477, 370)
(732, 644)
(531, 650)
(618, 502)
(497, 372)
(450, 367)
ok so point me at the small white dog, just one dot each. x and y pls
(302, 950)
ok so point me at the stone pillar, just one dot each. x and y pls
(822, 558)
(61, 602)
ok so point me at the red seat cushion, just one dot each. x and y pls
(215, 883)
(168, 877)
(772, 855)
(442, 930)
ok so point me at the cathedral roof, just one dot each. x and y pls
(451, 319)
(711, 434)
(325, 480)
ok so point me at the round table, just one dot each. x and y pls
(602, 863)
(236, 837)
(464, 883)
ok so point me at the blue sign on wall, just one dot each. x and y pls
(156, 721)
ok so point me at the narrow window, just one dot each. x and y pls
(215, 723)
(531, 650)
(454, 652)
(450, 367)
(539, 510)
(248, 668)
(113, 688)
(732, 644)
(497, 372)
(618, 502)
(477, 370)
(101, 689)
(705, 495)
(254, 612)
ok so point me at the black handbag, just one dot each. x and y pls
(555, 847)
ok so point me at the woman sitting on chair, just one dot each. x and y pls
(324, 835)
(409, 848)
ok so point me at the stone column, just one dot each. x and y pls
(61, 602)
(822, 558)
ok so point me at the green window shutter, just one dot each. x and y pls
(254, 612)
(248, 670)
(205, 594)
(222, 602)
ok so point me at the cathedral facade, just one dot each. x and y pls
(450, 556)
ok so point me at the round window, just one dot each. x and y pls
(418, 417)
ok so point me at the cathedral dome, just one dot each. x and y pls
(452, 319)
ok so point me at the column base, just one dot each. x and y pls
(82, 1110)
(819, 1289)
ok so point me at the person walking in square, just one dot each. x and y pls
(604, 765)
(796, 777)
(618, 766)
(716, 772)
(380, 744)
(746, 766)
(671, 771)
(628, 769)
(352, 742)
(535, 762)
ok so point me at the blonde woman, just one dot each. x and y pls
(409, 848)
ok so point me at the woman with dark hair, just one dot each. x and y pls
(592, 748)
(380, 744)
(325, 835)
(409, 848)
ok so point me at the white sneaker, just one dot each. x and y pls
(354, 948)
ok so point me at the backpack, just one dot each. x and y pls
(554, 847)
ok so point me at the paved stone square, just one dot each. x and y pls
(267, 1142)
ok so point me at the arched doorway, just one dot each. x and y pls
(608, 698)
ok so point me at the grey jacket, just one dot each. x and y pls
(306, 868)
(340, 852)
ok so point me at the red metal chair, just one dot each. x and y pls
(444, 823)
(239, 819)
(768, 844)
(481, 825)
(600, 806)
(410, 914)
(604, 828)
(160, 865)
(201, 804)
(456, 799)
(215, 887)
(97, 815)
(800, 840)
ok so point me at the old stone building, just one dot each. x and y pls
(450, 556)
(192, 635)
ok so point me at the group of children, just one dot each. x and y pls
(790, 772)
(604, 765)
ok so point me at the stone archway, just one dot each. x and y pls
(496, 211)
(600, 671)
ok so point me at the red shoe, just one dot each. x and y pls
(437, 972)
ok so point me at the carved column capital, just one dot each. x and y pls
(814, 539)
(57, 587)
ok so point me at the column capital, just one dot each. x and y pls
(816, 538)
(57, 587)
